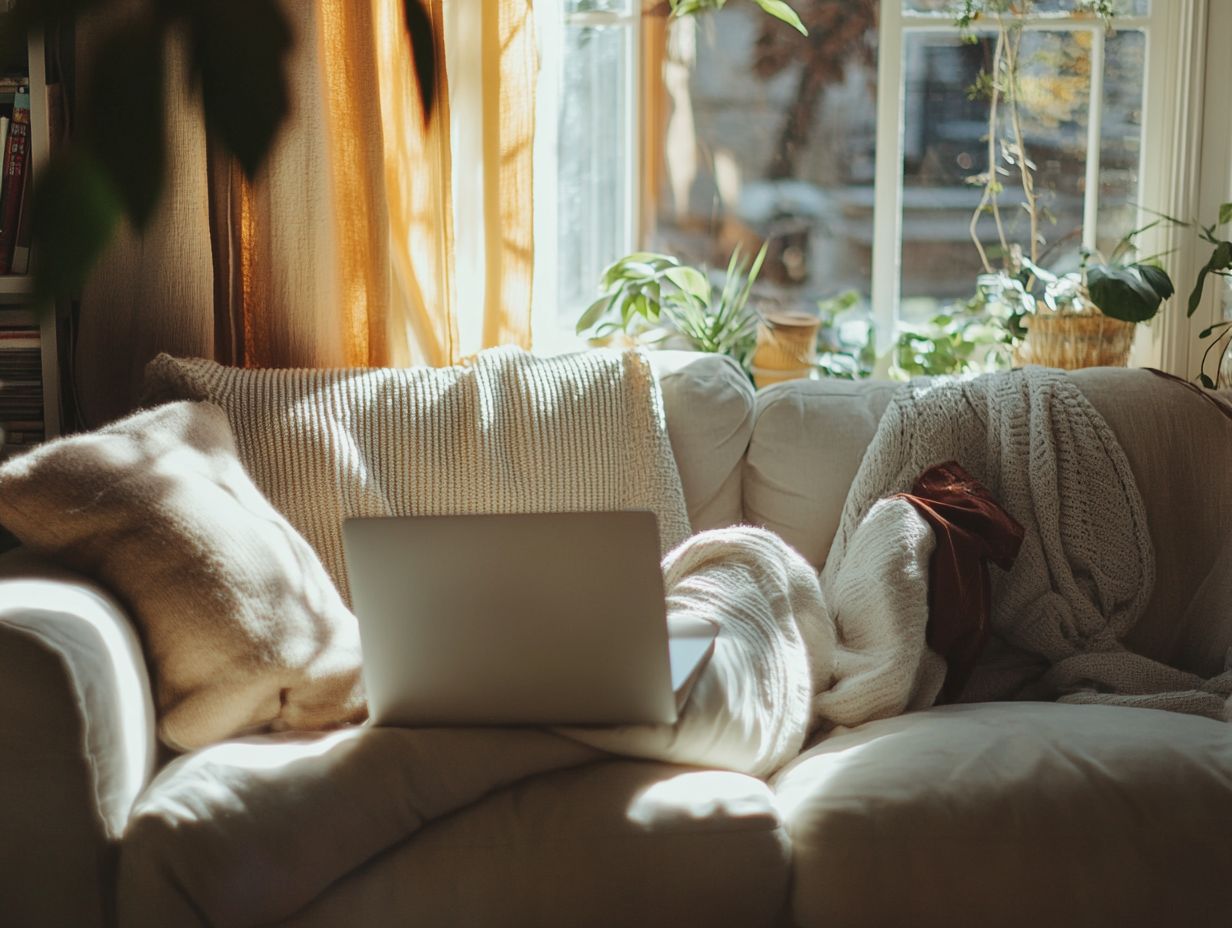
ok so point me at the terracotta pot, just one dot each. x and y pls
(787, 342)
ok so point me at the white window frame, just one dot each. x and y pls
(1185, 162)
(553, 332)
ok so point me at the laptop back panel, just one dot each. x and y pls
(552, 618)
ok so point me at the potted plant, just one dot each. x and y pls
(1080, 319)
(653, 296)
(1219, 264)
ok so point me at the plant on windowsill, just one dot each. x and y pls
(1219, 264)
(1075, 320)
(652, 297)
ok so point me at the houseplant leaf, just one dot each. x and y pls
(423, 53)
(123, 125)
(780, 10)
(238, 52)
(1220, 260)
(1123, 293)
(690, 280)
(76, 209)
(1225, 213)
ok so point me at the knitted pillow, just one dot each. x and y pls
(508, 433)
(242, 628)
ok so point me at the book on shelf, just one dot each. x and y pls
(13, 169)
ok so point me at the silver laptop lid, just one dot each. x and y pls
(552, 618)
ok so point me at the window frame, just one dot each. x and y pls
(1185, 160)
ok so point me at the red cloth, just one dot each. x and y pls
(971, 529)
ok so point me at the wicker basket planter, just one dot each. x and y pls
(1073, 340)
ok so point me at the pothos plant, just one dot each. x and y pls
(645, 290)
(115, 165)
(1121, 288)
(1219, 264)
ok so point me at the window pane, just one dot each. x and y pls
(768, 135)
(1123, 7)
(598, 6)
(1121, 136)
(946, 154)
(594, 199)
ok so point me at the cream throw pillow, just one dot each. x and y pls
(509, 432)
(242, 628)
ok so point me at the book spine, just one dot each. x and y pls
(13, 181)
(21, 249)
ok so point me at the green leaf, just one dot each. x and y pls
(594, 312)
(423, 52)
(780, 10)
(1195, 295)
(76, 208)
(238, 51)
(690, 280)
(1157, 278)
(1122, 293)
(124, 124)
(1206, 381)
(1220, 260)
(1225, 213)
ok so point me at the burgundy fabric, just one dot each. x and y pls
(971, 529)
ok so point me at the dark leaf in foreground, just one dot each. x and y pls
(239, 49)
(423, 48)
(76, 209)
(123, 124)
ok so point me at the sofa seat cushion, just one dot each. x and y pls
(1013, 814)
(337, 830)
(615, 844)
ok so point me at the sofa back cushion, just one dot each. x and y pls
(1179, 447)
(808, 440)
(242, 628)
(508, 433)
(708, 400)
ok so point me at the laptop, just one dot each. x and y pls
(532, 619)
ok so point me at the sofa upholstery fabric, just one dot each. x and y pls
(510, 432)
(608, 845)
(709, 404)
(808, 441)
(1015, 814)
(242, 628)
(77, 742)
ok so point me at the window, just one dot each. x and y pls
(851, 150)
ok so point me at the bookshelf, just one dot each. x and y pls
(16, 310)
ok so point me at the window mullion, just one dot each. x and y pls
(1095, 123)
(888, 176)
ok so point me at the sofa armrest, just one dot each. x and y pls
(77, 739)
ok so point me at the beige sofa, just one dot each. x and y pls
(997, 813)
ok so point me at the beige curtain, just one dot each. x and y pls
(340, 253)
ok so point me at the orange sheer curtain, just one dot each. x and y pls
(510, 68)
(341, 251)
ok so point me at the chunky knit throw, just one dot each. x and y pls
(509, 433)
(1086, 568)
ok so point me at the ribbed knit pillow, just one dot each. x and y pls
(509, 433)
(241, 625)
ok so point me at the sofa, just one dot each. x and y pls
(1011, 813)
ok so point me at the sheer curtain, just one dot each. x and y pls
(341, 252)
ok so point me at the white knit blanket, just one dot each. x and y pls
(1086, 568)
